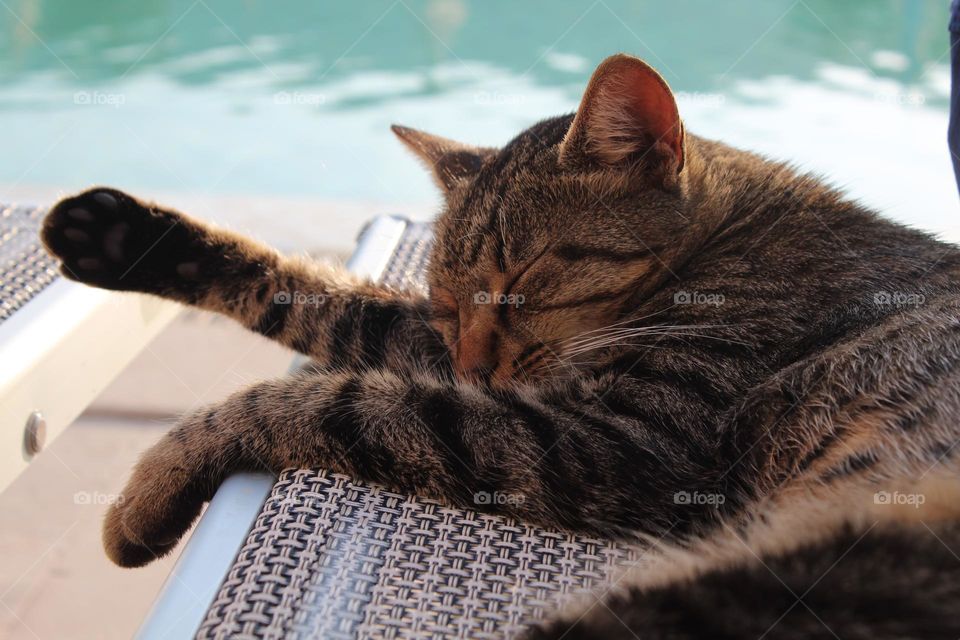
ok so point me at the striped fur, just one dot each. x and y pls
(650, 336)
(855, 586)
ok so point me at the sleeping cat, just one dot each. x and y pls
(643, 332)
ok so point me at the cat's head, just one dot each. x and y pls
(556, 234)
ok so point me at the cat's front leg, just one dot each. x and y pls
(109, 239)
(426, 437)
(558, 458)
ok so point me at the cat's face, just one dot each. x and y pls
(551, 237)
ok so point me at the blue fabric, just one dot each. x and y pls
(953, 132)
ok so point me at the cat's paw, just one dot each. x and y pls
(161, 500)
(109, 239)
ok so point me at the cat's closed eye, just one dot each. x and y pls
(443, 304)
(445, 314)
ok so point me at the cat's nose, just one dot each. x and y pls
(480, 375)
(474, 364)
(476, 356)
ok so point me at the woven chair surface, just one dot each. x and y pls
(25, 268)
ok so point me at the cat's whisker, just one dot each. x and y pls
(574, 354)
(606, 339)
(601, 341)
(549, 363)
(613, 329)
(571, 357)
(621, 323)
(653, 329)
(622, 340)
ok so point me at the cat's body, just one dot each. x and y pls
(686, 342)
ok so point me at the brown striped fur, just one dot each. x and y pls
(670, 316)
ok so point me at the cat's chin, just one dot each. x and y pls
(513, 381)
(504, 384)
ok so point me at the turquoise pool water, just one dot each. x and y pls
(294, 98)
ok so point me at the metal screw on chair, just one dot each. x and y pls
(35, 433)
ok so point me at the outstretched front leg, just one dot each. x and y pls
(108, 239)
(558, 458)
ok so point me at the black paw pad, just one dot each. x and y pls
(109, 239)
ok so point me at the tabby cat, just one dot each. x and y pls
(642, 332)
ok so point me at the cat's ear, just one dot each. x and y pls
(450, 161)
(627, 113)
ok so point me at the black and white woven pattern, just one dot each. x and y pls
(332, 558)
(409, 260)
(329, 557)
(25, 267)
